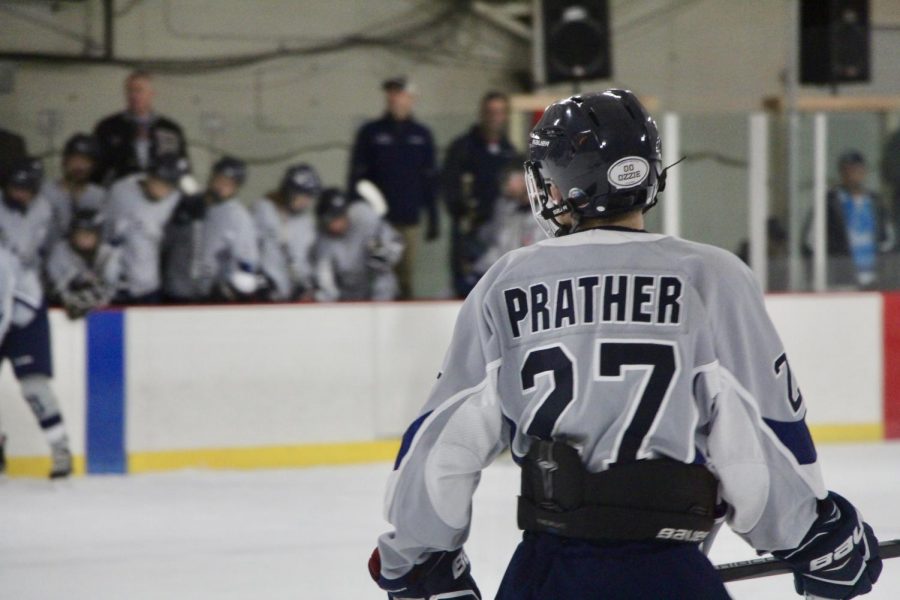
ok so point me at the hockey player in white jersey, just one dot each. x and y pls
(74, 190)
(286, 229)
(83, 271)
(25, 220)
(210, 250)
(641, 387)
(137, 211)
(356, 251)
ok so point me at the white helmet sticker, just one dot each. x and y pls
(628, 172)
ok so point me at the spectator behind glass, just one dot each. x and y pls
(74, 190)
(210, 251)
(471, 186)
(286, 232)
(137, 211)
(396, 153)
(513, 225)
(857, 230)
(132, 139)
(356, 251)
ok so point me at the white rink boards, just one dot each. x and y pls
(303, 533)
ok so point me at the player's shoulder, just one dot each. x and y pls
(128, 185)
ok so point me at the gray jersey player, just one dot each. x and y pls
(356, 251)
(83, 271)
(137, 211)
(286, 231)
(25, 219)
(210, 251)
(74, 190)
(638, 381)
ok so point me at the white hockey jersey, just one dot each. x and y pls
(25, 233)
(627, 345)
(136, 224)
(285, 247)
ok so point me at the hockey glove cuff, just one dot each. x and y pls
(838, 558)
(442, 573)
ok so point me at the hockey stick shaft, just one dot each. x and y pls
(764, 567)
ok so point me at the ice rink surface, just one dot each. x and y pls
(303, 533)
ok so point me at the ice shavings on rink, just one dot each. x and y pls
(303, 533)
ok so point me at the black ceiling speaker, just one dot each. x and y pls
(576, 41)
(834, 41)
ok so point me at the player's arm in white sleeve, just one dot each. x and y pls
(761, 450)
(759, 445)
(459, 431)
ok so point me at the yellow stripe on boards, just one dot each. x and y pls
(307, 455)
(37, 466)
(856, 432)
(310, 455)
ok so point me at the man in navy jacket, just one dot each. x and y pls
(397, 154)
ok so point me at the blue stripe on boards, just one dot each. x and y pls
(105, 438)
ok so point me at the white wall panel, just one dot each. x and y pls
(834, 345)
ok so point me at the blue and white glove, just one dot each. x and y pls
(838, 558)
(443, 575)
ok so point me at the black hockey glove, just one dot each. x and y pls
(838, 558)
(443, 573)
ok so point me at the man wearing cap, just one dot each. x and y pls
(209, 247)
(356, 251)
(286, 233)
(74, 190)
(857, 230)
(397, 154)
(25, 218)
(131, 139)
(137, 211)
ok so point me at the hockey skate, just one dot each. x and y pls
(62, 462)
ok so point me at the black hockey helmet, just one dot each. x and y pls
(300, 179)
(83, 144)
(25, 173)
(87, 219)
(231, 167)
(331, 205)
(601, 151)
(169, 168)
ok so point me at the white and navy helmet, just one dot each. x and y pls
(231, 167)
(603, 154)
(301, 179)
(25, 173)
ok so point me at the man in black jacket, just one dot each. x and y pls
(471, 186)
(12, 149)
(131, 139)
(396, 153)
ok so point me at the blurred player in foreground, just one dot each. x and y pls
(356, 251)
(641, 387)
(25, 220)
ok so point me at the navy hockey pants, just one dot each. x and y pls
(548, 567)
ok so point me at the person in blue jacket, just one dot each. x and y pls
(396, 153)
